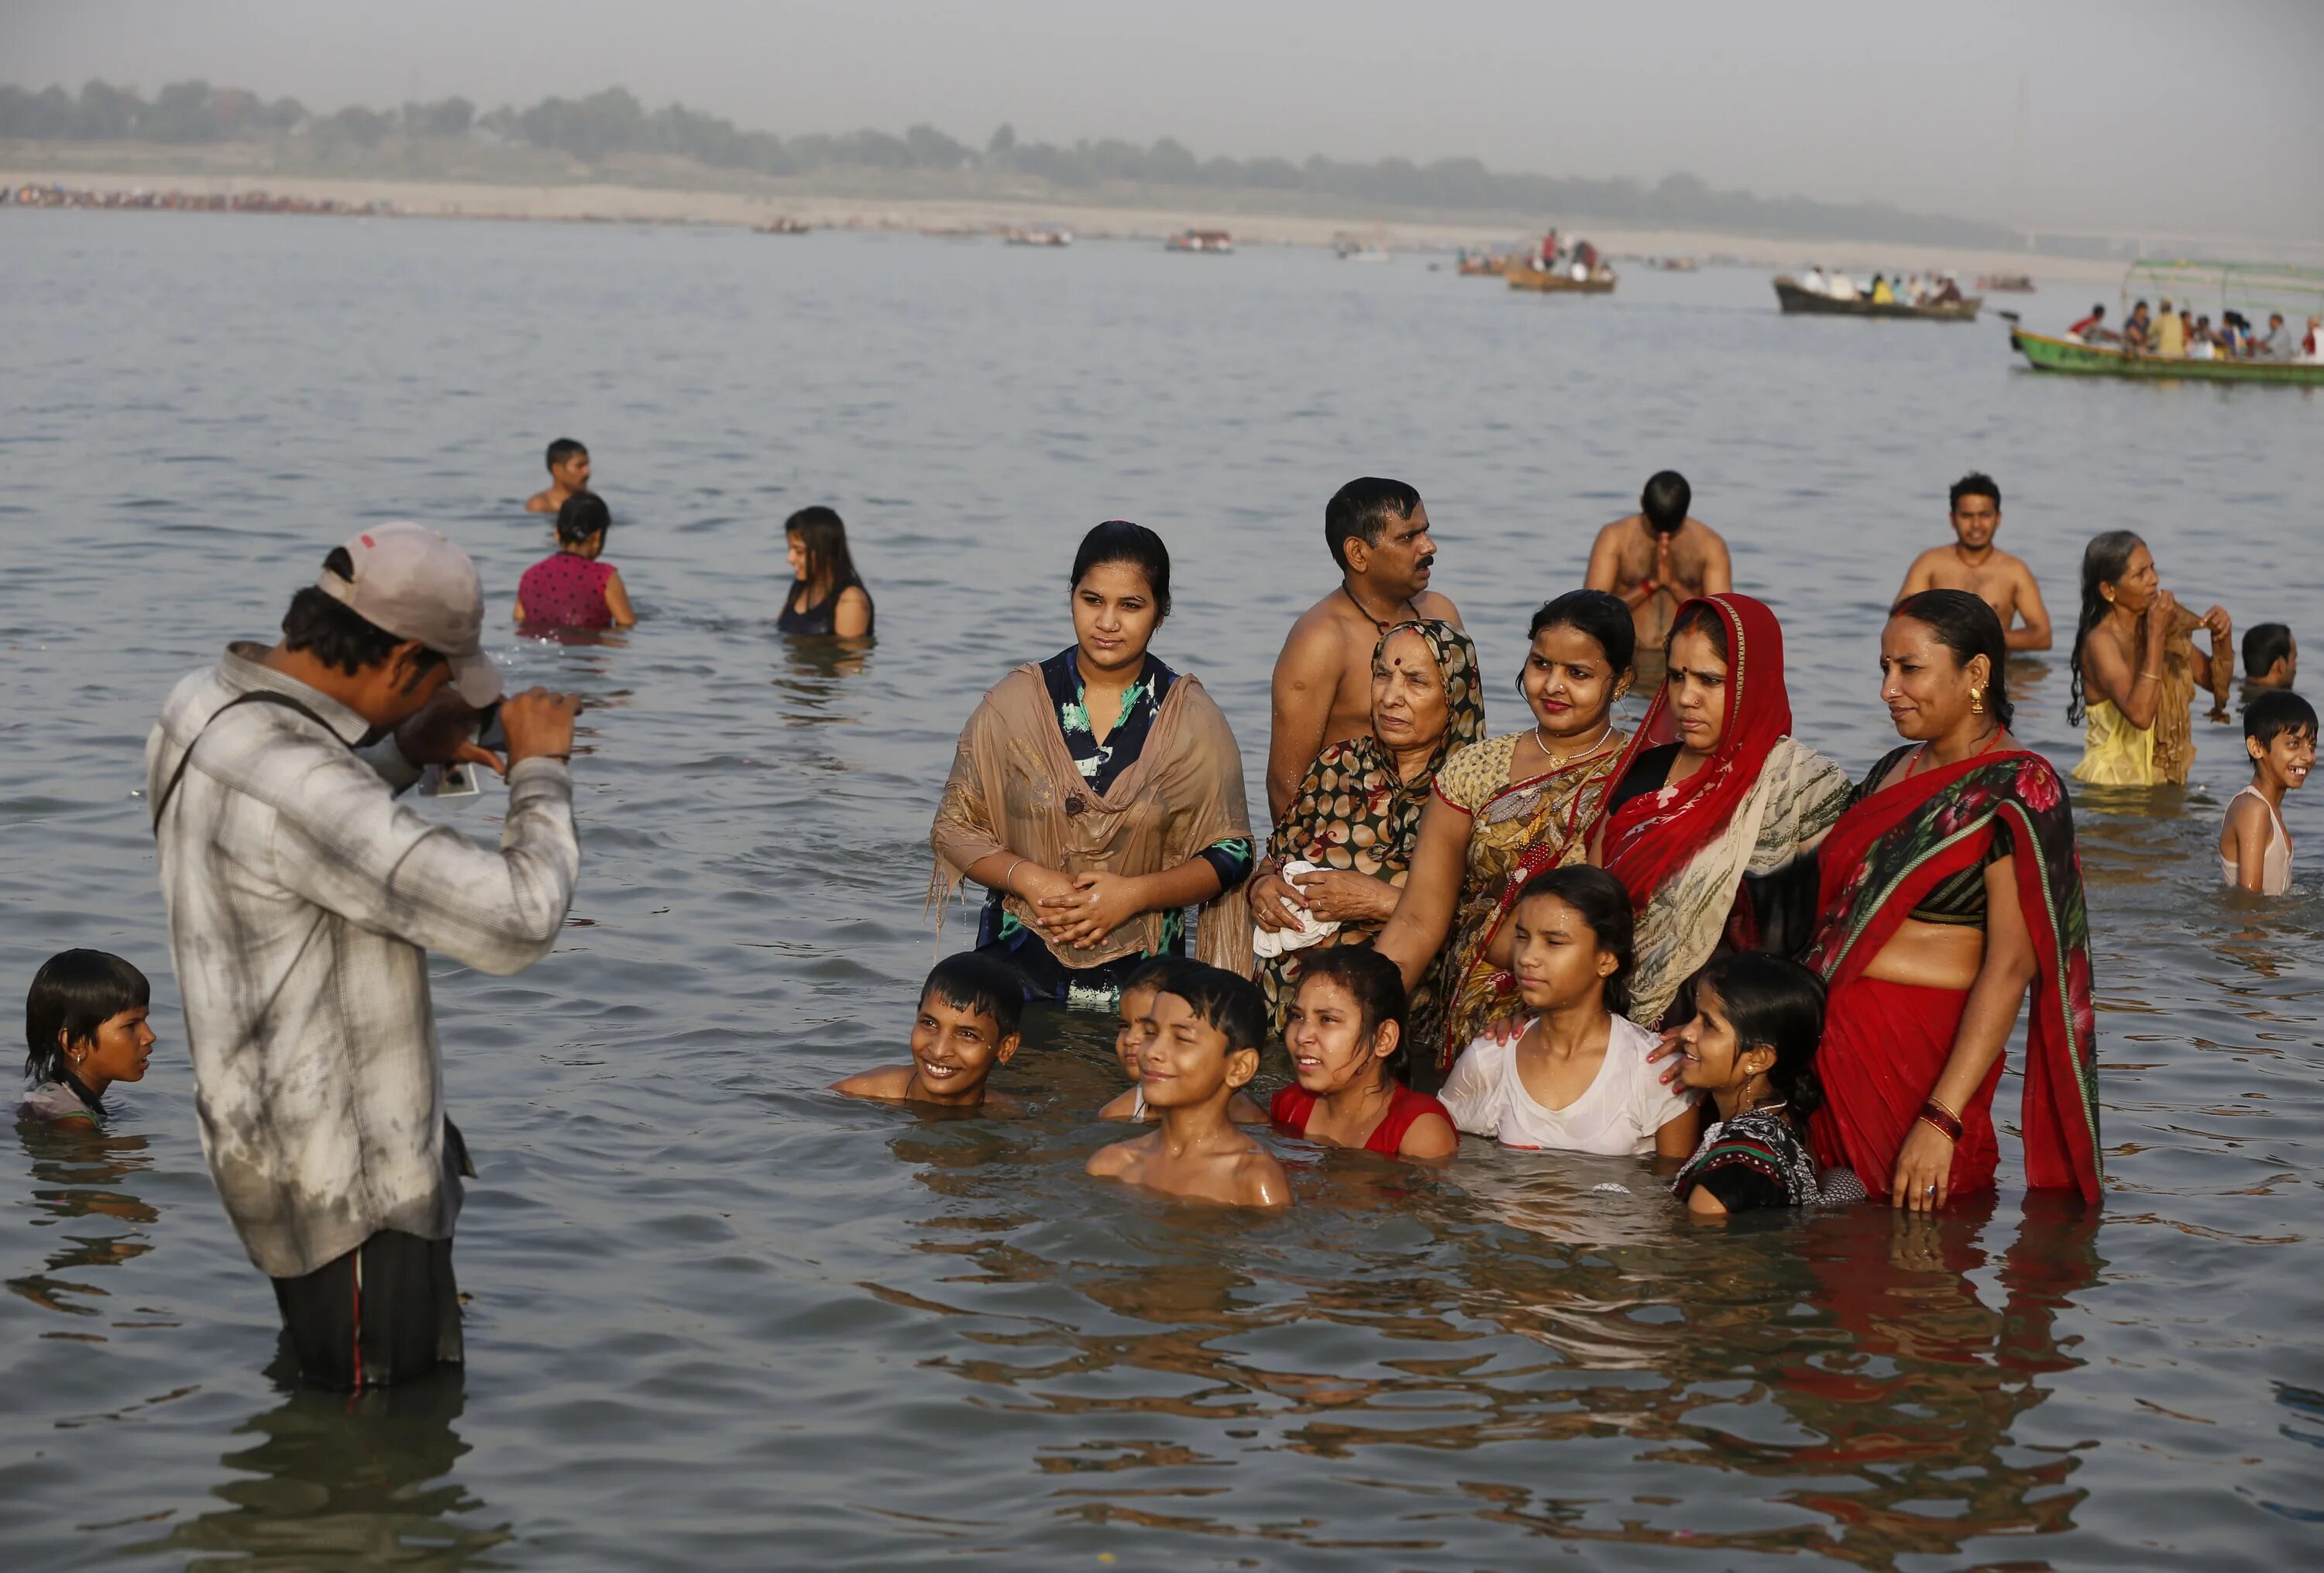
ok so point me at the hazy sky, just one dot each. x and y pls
(2146, 114)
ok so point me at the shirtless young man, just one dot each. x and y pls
(1378, 531)
(1658, 558)
(568, 472)
(1972, 563)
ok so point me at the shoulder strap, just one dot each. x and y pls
(255, 696)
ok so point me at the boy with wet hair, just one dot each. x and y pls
(568, 473)
(1208, 1026)
(2254, 847)
(84, 1029)
(2271, 657)
(965, 1029)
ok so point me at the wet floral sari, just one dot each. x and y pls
(1885, 1044)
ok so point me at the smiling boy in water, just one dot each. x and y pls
(2254, 849)
(1208, 1025)
(967, 1027)
(1134, 1029)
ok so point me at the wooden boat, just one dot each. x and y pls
(1487, 267)
(1048, 234)
(2005, 283)
(784, 225)
(1522, 275)
(2252, 289)
(1217, 241)
(1804, 303)
(2044, 354)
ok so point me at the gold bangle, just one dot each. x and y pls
(2156, 676)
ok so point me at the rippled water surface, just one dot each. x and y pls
(721, 1318)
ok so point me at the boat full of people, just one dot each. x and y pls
(1555, 269)
(1936, 298)
(2004, 285)
(1217, 242)
(2254, 338)
(1043, 234)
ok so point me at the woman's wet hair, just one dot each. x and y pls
(1967, 625)
(980, 985)
(1700, 617)
(2271, 715)
(1373, 982)
(74, 994)
(1665, 501)
(1772, 1002)
(2104, 563)
(1361, 509)
(2264, 644)
(319, 624)
(823, 541)
(1605, 906)
(582, 518)
(1600, 614)
(1119, 540)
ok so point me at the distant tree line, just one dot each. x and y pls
(612, 122)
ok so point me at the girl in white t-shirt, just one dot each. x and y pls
(1578, 1078)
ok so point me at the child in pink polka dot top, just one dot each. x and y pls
(573, 589)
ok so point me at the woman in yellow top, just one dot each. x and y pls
(2131, 681)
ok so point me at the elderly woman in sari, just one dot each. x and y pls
(1501, 812)
(1341, 851)
(1098, 794)
(1949, 886)
(1715, 809)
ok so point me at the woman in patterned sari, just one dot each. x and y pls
(1503, 811)
(1356, 815)
(1715, 809)
(1950, 886)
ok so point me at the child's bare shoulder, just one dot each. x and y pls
(1260, 1180)
(1123, 1106)
(1246, 1110)
(1118, 1158)
(887, 1081)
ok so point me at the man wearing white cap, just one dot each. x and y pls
(302, 903)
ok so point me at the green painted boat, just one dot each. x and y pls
(2250, 290)
(2091, 360)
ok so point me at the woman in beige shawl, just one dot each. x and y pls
(1099, 795)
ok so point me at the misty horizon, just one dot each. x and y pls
(2060, 122)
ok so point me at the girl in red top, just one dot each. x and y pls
(1346, 1040)
(573, 589)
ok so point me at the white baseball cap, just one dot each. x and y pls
(412, 582)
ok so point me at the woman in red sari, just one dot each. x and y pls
(1949, 887)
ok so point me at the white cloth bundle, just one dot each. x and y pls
(1311, 931)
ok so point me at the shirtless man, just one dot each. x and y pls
(1378, 531)
(1658, 558)
(568, 472)
(1972, 563)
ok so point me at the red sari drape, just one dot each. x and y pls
(1885, 1044)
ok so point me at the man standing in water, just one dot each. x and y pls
(302, 903)
(1974, 564)
(1658, 558)
(1377, 533)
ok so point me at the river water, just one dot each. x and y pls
(721, 1318)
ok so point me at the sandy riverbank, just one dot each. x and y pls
(639, 204)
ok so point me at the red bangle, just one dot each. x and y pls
(1946, 1123)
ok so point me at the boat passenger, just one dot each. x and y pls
(826, 597)
(2271, 657)
(1716, 808)
(1503, 811)
(1659, 557)
(2138, 331)
(1948, 294)
(2275, 341)
(1815, 283)
(568, 472)
(2202, 341)
(1973, 563)
(1842, 287)
(1377, 533)
(1750, 1043)
(1949, 887)
(2171, 333)
(2312, 345)
(2254, 847)
(1337, 863)
(1097, 794)
(1578, 1079)
(1348, 1052)
(570, 587)
(2136, 672)
(2092, 328)
(1882, 295)
(84, 1029)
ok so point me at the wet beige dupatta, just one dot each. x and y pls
(1015, 789)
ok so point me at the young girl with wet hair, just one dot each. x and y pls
(84, 1029)
(1751, 1046)
(827, 597)
(1347, 1044)
(571, 588)
(1579, 1078)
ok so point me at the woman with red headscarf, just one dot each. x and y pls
(1951, 887)
(1714, 805)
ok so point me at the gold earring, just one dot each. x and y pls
(1977, 701)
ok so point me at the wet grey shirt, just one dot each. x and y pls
(302, 903)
